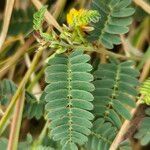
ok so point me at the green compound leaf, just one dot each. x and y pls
(111, 100)
(39, 18)
(113, 89)
(115, 19)
(69, 98)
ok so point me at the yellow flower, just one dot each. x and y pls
(71, 16)
(82, 18)
(77, 17)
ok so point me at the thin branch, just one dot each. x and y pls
(104, 51)
(125, 46)
(124, 129)
(43, 133)
(7, 16)
(49, 18)
(36, 86)
(16, 123)
(107, 52)
(143, 5)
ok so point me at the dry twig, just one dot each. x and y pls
(7, 16)
(143, 5)
(16, 123)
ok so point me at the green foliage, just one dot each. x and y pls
(69, 98)
(143, 133)
(115, 84)
(49, 142)
(27, 144)
(102, 135)
(34, 108)
(7, 89)
(21, 146)
(115, 17)
(69, 36)
(38, 18)
(145, 91)
(58, 44)
(88, 17)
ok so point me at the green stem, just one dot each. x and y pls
(43, 133)
(106, 52)
(22, 84)
(38, 76)
(103, 51)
